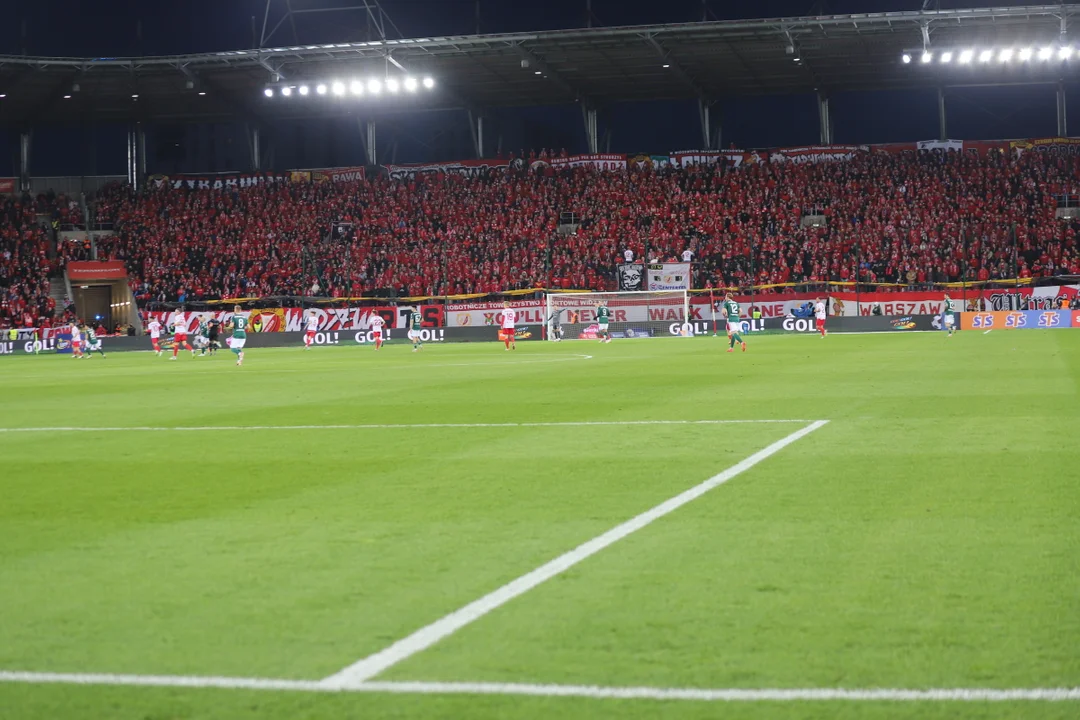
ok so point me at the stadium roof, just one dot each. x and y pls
(597, 66)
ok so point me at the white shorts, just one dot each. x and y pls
(950, 320)
(93, 346)
(734, 327)
(603, 327)
(414, 334)
(237, 343)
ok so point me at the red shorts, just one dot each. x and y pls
(506, 333)
(179, 338)
(820, 323)
(310, 333)
(376, 334)
(76, 344)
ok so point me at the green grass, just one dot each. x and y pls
(926, 537)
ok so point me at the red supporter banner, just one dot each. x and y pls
(1055, 145)
(598, 161)
(7, 186)
(94, 270)
(468, 168)
(221, 181)
(336, 175)
(817, 153)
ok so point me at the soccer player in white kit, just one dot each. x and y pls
(312, 328)
(76, 341)
(154, 328)
(509, 319)
(376, 324)
(819, 315)
(180, 330)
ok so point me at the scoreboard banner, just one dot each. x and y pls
(1020, 320)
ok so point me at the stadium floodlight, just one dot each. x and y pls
(374, 86)
(906, 57)
(429, 82)
(1065, 52)
(392, 85)
(411, 84)
(927, 56)
(202, 93)
(1046, 53)
(966, 56)
(67, 97)
(303, 89)
(321, 88)
(946, 57)
(134, 96)
(286, 91)
(338, 88)
(1005, 55)
(985, 55)
(1025, 54)
(356, 87)
(268, 92)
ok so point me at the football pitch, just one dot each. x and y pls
(872, 526)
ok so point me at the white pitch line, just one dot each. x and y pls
(571, 691)
(988, 331)
(392, 426)
(425, 637)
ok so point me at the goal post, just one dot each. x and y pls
(661, 313)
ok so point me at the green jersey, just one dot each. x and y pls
(205, 331)
(239, 326)
(731, 310)
(948, 305)
(91, 336)
(416, 320)
(603, 314)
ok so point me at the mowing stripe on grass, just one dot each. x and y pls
(572, 691)
(389, 426)
(425, 637)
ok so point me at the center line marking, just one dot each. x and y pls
(367, 668)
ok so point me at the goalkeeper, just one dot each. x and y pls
(555, 332)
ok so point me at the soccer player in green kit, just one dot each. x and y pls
(92, 342)
(603, 314)
(948, 315)
(734, 325)
(416, 321)
(239, 334)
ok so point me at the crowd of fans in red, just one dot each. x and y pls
(25, 265)
(896, 218)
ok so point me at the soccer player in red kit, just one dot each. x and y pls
(312, 328)
(376, 324)
(180, 328)
(509, 319)
(154, 328)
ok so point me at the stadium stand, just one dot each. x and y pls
(25, 266)
(911, 219)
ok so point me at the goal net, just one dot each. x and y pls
(572, 316)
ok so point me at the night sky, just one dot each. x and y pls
(110, 28)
